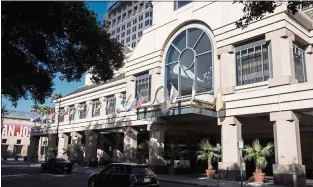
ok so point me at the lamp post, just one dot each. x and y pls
(57, 138)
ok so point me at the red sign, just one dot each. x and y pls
(16, 130)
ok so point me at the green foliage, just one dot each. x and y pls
(256, 10)
(208, 152)
(67, 150)
(259, 154)
(41, 39)
(175, 150)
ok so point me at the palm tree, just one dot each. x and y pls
(258, 153)
(56, 96)
(208, 152)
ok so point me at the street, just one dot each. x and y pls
(24, 176)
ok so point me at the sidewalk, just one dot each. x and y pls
(195, 180)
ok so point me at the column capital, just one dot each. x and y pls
(226, 49)
(231, 120)
(309, 49)
(284, 115)
(156, 70)
(130, 130)
(280, 33)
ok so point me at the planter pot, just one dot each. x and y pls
(210, 173)
(259, 177)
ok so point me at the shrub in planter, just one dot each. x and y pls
(258, 153)
(209, 153)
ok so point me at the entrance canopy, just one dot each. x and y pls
(196, 107)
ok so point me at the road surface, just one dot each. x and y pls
(24, 176)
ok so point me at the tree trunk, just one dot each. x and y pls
(258, 169)
(210, 163)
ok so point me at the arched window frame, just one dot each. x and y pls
(204, 30)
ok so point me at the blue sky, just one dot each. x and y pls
(63, 87)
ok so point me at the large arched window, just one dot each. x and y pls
(189, 62)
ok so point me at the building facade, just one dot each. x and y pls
(128, 19)
(263, 72)
(16, 129)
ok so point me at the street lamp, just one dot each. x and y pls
(57, 138)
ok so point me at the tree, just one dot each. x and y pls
(256, 10)
(41, 39)
(258, 153)
(208, 152)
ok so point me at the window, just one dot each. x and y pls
(150, 21)
(134, 36)
(140, 26)
(134, 29)
(4, 140)
(18, 141)
(252, 62)
(143, 86)
(123, 35)
(141, 18)
(139, 34)
(150, 13)
(147, 14)
(299, 63)
(82, 110)
(146, 22)
(114, 169)
(124, 96)
(179, 4)
(113, 32)
(189, 62)
(123, 42)
(128, 39)
(96, 106)
(148, 4)
(111, 104)
(142, 170)
(71, 115)
(61, 114)
(123, 27)
(129, 24)
(134, 21)
(118, 37)
(133, 44)
(118, 30)
(128, 32)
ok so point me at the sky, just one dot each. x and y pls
(100, 7)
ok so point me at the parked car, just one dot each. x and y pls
(57, 165)
(124, 175)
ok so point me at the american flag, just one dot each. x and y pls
(139, 101)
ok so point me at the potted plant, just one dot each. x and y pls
(174, 151)
(209, 153)
(259, 154)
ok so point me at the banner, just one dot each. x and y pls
(16, 130)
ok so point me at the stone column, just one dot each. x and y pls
(309, 63)
(76, 153)
(130, 144)
(52, 140)
(33, 146)
(91, 148)
(103, 106)
(89, 109)
(228, 67)
(288, 169)
(156, 80)
(283, 72)
(156, 146)
(63, 143)
(229, 168)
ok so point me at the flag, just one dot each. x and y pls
(97, 108)
(219, 101)
(139, 101)
(35, 119)
(174, 95)
(72, 111)
(121, 108)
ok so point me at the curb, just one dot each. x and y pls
(186, 183)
